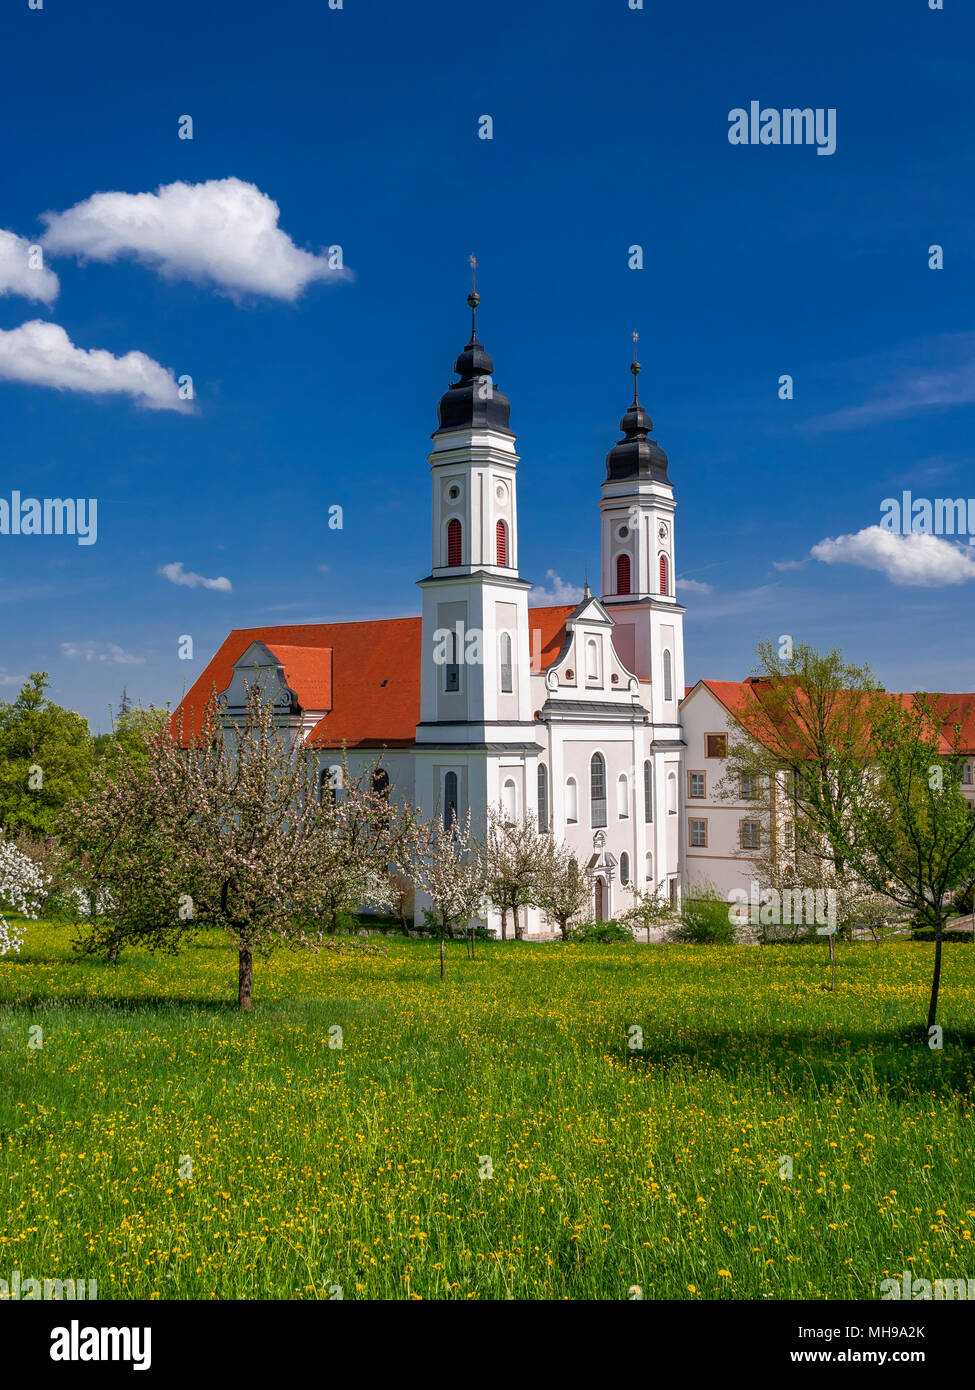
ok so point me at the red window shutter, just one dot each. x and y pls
(663, 574)
(502, 534)
(453, 542)
(622, 574)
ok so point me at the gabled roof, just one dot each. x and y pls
(735, 696)
(365, 674)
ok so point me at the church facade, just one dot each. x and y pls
(570, 715)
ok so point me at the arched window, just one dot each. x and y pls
(664, 588)
(571, 802)
(672, 793)
(648, 792)
(668, 676)
(622, 797)
(542, 798)
(453, 542)
(501, 530)
(452, 668)
(597, 790)
(622, 574)
(380, 782)
(509, 801)
(449, 800)
(592, 659)
(505, 662)
(624, 868)
(329, 780)
(650, 868)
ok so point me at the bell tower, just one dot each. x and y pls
(638, 555)
(475, 676)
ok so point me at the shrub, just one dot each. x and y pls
(590, 933)
(705, 920)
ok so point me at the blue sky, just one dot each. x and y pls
(610, 129)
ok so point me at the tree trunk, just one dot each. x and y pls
(832, 959)
(472, 940)
(113, 946)
(504, 924)
(245, 979)
(519, 926)
(442, 934)
(936, 980)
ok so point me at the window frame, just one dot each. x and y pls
(692, 821)
(750, 820)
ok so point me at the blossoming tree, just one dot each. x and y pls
(22, 890)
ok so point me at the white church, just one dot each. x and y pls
(577, 716)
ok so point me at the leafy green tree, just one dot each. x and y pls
(133, 734)
(46, 758)
(911, 833)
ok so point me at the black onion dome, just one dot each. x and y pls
(636, 455)
(469, 402)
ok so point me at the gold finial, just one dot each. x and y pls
(473, 298)
(634, 365)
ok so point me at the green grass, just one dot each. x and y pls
(315, 1166)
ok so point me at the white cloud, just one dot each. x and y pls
(557, 592)
(913, 559)
(790, 564)
(101, 651)
(224, 232)
(177, 575)
(7, 679)
(17, 276)
(42, 354)
(695, 586)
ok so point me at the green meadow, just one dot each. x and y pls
(552, 1121)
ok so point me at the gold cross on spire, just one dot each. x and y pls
(634, 365)
(473, 298)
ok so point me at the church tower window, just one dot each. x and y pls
(622, 574)
(624, 869)
(449, 800)
(502, 542)
(542, 799)
(453, 542)
(452, 668)
(664, 585)
(668, 675)
(507, 681)
(571, 802)
(648, 792)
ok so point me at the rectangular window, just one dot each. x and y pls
(748, 785)
(715, 745)
(751, 834)
(788, 835)
(699, 834)
(966, 774)
(696, 784)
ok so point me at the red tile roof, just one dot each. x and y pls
(954, 709)
(308, 670)
(366, 674)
